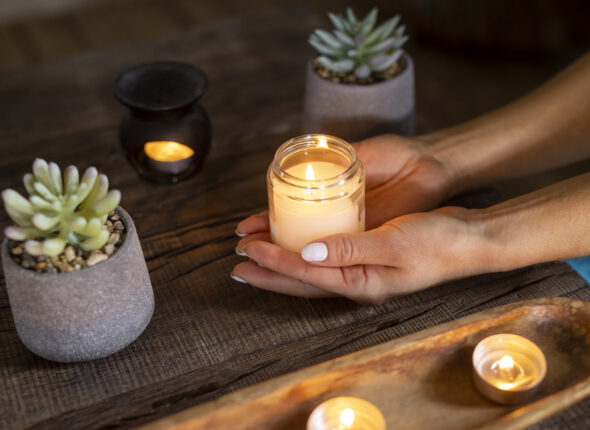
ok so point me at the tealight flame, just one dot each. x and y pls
(322, 142)
(167, 151)
(309, 175)
(506, 362)
(347, 417)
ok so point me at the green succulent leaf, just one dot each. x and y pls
(369, 21)
(359, 47)
(21, 233)
(323, 49)
(351, 16)
(17, 202)
(338, 21)
(385, 61)
(34, 247)
(60, 210)
(327, 38)
(363, 71)
(343, 37)
(71, 180)
(41, 172)
(342, 66)
(18, 217)
(53, 246)
(42, 204)
(44, 222)
(93, 227)
(95, 242)
(106, 204)
(101, 186)
(55, 178)
(28, 181)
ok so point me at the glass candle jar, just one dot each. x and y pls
(316, 188)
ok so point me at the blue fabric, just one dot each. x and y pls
(582, 266)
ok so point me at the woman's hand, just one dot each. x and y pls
(405, 254)
(402, 177)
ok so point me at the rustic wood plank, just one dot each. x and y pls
(209, 335)
(432, 368)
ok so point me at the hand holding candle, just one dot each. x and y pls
(400, 177)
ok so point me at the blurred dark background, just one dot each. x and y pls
(35, 31)
(485, 52)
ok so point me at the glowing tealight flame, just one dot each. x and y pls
(506, 362)
(322, 142)
(167, 151)
(347, 417)
(507, 371)
(309, 175)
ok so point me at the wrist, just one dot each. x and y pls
(451, 151)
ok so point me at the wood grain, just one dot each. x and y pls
(209, 335)
(422, 381)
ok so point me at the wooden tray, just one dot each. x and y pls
(422, 381)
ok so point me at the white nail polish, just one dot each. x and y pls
(315, 252)
(237, 278)
(240, 234)
(241, 253)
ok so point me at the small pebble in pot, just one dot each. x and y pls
(94, 259)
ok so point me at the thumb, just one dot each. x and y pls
(340, 250)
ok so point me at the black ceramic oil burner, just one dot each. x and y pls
(166, 135)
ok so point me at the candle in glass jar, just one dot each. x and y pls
(346, 413)
(508, 368)
(315, 189)
(168, 157)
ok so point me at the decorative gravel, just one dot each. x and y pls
(346, 78)
(73, 257)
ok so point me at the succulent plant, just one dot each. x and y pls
(356, 46)
(60, 211)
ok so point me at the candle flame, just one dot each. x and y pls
(347, 417)
(167, 151)
(309, 175)
(506, 362)
(322, 143)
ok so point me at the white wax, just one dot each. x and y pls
(298, 222)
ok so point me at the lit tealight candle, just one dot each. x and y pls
(346, 413)
(508, 368)
(316, 187)
(168, 157)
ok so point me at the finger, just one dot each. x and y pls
(260, 277)
(375, 247)
(264, 236)
(290, 264)
(253, 224)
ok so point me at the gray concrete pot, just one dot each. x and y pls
(82, 315)
(354, 112)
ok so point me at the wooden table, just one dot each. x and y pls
(209, 335)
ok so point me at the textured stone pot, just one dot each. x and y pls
(354, 112)
(86, 314)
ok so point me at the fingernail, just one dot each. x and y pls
(242, 253)
(240, 234)
(315, 252)
(237, 278)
